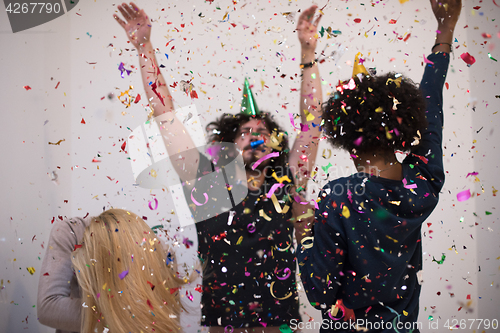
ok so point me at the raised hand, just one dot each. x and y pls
(446, 12)
(137, 25)
(307, 29)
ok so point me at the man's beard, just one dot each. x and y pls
(249, 161)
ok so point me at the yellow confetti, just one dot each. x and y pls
(31, 270)
(262, 214)
(379, 109)
(153, 173)
(239, 240)
(404, 312)
(309, 116)
(281, 179)
(392, 239)
(278, 207)
(104, 286)
(402, 2)
(345, 212)
(397, 203)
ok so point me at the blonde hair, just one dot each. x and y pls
(127, 279)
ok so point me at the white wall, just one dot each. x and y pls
(217, 56)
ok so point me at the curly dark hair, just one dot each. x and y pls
(379, 113)
(225, 129)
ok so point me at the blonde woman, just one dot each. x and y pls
(127, 279)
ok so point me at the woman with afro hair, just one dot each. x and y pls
(359, 264)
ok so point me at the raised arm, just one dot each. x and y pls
(429, 154)
(305, 148)
(179, 144)
(306, 142)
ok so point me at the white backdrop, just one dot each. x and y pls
(71, 65)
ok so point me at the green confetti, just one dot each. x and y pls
(488, 213)
(325, 168)
(489, 55)
(285, 329)
(322, 33)
(439, 262)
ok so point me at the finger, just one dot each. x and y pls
(316, 22)
(133, 5)
(120, 21)
(308, 14)
(130, 11)
(124, 13)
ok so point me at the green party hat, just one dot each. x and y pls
(248, 104)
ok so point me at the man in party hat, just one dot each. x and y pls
(249, 273)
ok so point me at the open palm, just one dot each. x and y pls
(307, 28)
(136, 24)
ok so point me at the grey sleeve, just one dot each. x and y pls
(58, 302)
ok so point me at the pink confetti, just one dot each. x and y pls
(196, 202)
(274, 188)
(472, 174)
(287, 271)
(469, 60)
(464, 195)
(304, 127)
(427, 61)
(291, 120)
(405, 184)
(263, 158)
(156, 204)
(358, 141)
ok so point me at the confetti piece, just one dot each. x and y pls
(262, 159)
(196, 202)
(469, 59)
(427, 61)
(411, 186)
(325, 168)
(77, 246)
(489, 55)
(264, 215)
(187, 242)
(27, 87)
(31, 270)
(122, 70)
(471, 174)
(123, 274)
(273, 189)
(309, 213)
(403, 1)
(357, 20)
(464, 195)
(156, 204)
(345, 212)
(439, 262)
(278, 207)
(57, 143)
(83, 121)
(281, 179)
(287, 272)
